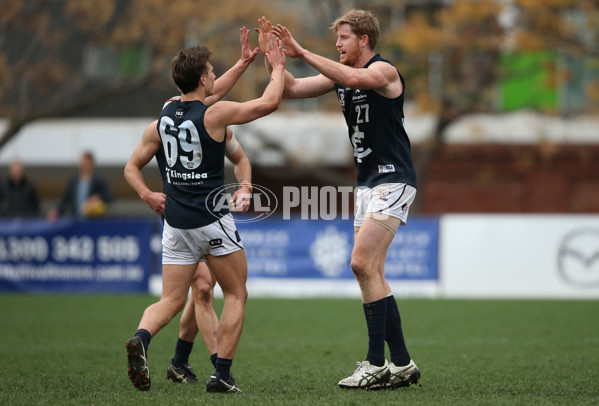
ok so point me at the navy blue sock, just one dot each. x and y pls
(223, 367)
(213, 358)
(182, 351)
(394, 335)
(145, 337)
(375, 313)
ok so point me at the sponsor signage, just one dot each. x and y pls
(73, 256)
(297, 248)
(526, 256)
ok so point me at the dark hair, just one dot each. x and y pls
(362, 22)
(188, 66)
(88, 154)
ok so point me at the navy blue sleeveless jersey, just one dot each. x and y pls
(192, 166)
(382, 151)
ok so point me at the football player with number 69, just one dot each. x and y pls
(189, 144)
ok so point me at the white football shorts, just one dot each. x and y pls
(388, 199)
(189, 246)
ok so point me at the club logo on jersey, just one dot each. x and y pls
(404, 207)
(341, 96)
(356, 140)
(386, 168)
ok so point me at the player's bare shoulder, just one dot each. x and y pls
(166, 103)
(218, 117)
(393, 87)
(150, 134)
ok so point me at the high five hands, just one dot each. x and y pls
(292, 48)
(275, 54)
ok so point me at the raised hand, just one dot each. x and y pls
(247, 55)
(276, 54)
(263, 32)
(292, 48)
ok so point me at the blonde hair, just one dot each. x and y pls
(362, 22)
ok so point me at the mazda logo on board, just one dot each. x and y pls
(578, 258)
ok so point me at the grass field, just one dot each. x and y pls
(69, 350)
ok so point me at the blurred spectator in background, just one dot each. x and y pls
(18, 197)
(86, 195)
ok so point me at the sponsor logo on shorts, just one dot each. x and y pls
(217, 242)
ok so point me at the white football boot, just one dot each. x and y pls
(367, 375)
(400, 376)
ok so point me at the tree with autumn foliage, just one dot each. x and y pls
(55, 54)
(451, 53)
(454, 57)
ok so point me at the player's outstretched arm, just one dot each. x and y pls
(224, 113)
(376, 76)
(225, 83)
(143, 153)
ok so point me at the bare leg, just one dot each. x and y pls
(188, 329)
(176, 280)
(231, 274)
(371, 243)
(198, 315)
(203, 297)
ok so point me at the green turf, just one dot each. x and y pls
(69, 350)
